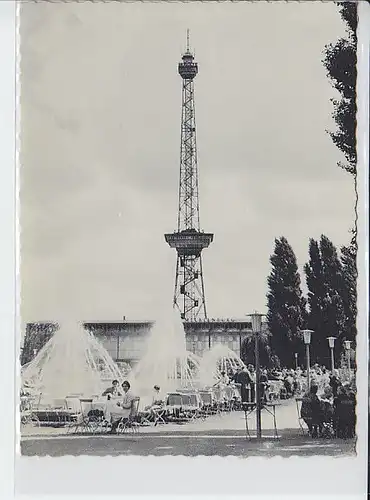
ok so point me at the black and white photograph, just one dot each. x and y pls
(188, 211)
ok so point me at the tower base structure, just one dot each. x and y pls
(189, 295)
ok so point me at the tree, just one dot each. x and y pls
(36, 336)
(340, 62)
(324, 276)
(316, 295)
(248, 350)
(286, 305)
(349, 271)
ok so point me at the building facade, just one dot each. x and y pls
(125, 340)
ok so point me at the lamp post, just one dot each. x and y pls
(331, 341)
(347, 346)
(307, 341)
(296, 360)
(256, 328)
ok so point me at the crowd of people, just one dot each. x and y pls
(328, 404)
(331, 413)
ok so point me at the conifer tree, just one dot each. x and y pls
(316, 295)
(349, 270)
(324, 276)
(286, 305)
(340, 61)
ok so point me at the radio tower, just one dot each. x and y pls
(189, 240)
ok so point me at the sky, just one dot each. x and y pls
(100, 147)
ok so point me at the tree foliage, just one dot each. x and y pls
(349, 269)
(37, 334)
(340, 62)
(248, 350)
(286, 305)
(326, 291)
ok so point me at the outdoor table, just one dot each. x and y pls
(99, 405)
(249, 408)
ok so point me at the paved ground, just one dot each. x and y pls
(218, 435)
(187, 445)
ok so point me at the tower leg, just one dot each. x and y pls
(202, 285)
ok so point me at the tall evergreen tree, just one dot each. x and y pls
(324, 274)
(340, 62)
(349, 270)
(316, 296)
(286, 305)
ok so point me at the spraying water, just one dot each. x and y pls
(72, 362)
(166, 361)
(219, 358)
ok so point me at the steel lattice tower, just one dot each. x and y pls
(189, 240)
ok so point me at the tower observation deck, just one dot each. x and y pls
(189, 241)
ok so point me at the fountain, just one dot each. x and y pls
(166, 362)
(219, 358)
(72, 362)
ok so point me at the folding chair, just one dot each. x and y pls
(130, 423)
(146, 417)
(81, 420)
(159, 414)
(29, 415)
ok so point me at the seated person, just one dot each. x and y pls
(112, 391)
(311, 411)
(326, 405)
(345, 412)
(157, 399)
(156, 403)
(121, 410)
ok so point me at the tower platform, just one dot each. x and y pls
(189, 241)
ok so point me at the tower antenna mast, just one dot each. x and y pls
(189, 241)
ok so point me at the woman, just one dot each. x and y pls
(121, 409)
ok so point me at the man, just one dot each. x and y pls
(245, 380)
(121, 409)
(311, 411)
(345, 412)
(264, 383)
(112, 391)
(252, 383)
(334, 382)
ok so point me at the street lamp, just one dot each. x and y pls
(347, 346)
(307, 341)
(256, 328)
(331, 341)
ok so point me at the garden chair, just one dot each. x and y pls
(130, 424)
